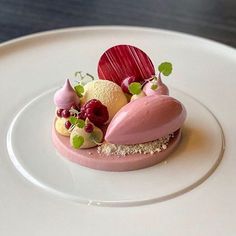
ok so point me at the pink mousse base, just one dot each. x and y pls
(92, 159)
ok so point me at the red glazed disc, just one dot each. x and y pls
(124, 61)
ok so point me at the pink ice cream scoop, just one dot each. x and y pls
(66, 97)
(146, 119)
(162, 89)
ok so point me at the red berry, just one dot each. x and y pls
(59, 111)
(65, 114)
(95, 111)
(88, 128)
(67, 124)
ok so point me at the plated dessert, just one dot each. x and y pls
(125, 120)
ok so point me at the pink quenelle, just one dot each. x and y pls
(146, 119)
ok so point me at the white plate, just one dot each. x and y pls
(200, 151)
(35, 64)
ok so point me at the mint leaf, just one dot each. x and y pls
(154, 86)
(73, 120)
(77, 141)
(79, 89)
(135, 88)
(80, 123)
(165, 68)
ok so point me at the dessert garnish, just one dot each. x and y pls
(81, 138)
(124, 64)
(95, 111)
(126, 113)
(151, 147)
(153, 85)
(66, 97)
(82, 80)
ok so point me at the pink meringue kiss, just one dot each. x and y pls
(124, 61)
(146, 119)
(162, 89)
(66, 97)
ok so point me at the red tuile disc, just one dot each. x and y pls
(124, 61)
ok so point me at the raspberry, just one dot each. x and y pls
(95, 111)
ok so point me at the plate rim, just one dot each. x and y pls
(64, 30)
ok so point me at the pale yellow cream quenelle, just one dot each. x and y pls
(146, 119)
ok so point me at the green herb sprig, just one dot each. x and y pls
(77, 122)
(79, 89)
(135, 88)
(83, 78)
(164, 68)
(77, 141)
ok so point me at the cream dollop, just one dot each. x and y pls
(60, 126)
(66, 97)
(88, 142)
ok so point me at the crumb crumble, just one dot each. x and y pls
(142, 148)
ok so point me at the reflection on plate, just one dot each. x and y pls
(33, 154)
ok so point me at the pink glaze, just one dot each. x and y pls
(66, 97)
(161, 90)
(92, 159)
(146, 119)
